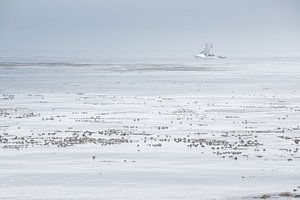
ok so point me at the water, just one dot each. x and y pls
(160, 127)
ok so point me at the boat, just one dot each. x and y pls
(206, 53)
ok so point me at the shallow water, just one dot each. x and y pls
(158, 128)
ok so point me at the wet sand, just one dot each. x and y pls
(150, 131)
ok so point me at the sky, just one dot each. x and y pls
(149, 25)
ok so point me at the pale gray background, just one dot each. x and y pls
(149, 26)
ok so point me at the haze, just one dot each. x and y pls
(149, 26)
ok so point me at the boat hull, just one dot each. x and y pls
(205, 57)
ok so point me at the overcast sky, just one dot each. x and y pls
(149, 25)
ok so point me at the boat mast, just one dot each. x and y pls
(206, 49)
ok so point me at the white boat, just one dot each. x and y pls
(206, 53)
